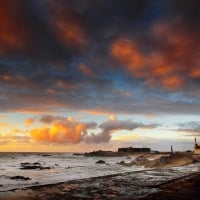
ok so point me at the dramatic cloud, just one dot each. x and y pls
(62, 131)
(171, 63)
(67, 130)
(135, 57)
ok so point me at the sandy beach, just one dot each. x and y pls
(126, 186)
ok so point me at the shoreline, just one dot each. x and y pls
(181, 189)
(116, 186)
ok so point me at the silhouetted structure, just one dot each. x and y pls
(196, 147)
(172, 149)
(133, 150)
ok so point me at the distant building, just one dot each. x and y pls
(133, 150)
(172, 151)
(196, 147)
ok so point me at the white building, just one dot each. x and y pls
(196, 148)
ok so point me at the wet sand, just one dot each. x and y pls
(148, 184)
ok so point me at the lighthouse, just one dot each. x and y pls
(196, 147)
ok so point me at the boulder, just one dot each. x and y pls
(100, 162)
(20, 178)
(29, 166)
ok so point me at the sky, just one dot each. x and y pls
(85, 75)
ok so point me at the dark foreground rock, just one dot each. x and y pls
(100, 162)
(20, 178)
(29, 166)
(78, 154)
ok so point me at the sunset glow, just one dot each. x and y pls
(86, 75)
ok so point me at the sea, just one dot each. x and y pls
(63, 167)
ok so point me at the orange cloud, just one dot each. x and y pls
(70, 32)
(173, 59)
(195, 73)
(85, 70)
(112, 117)
(19, 81)
(14, 29)
(61, 131)
(127, 52)
(68, 25)
(29, 121)
(172, 82)
(31, 110)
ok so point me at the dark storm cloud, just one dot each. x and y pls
(187, 10)
(113, 56)
(49, 30)
(24, 33)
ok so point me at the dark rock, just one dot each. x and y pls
(100, 162)
(101, 153)
(127, 164)
(78, 154)
(45, 168)
(46, 155)
(27, 165)
(35, 165)
(20, 178)
(141, 160)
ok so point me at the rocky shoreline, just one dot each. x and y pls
(146, 184)
(181, 189)
(159, 180)
(173, 159)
